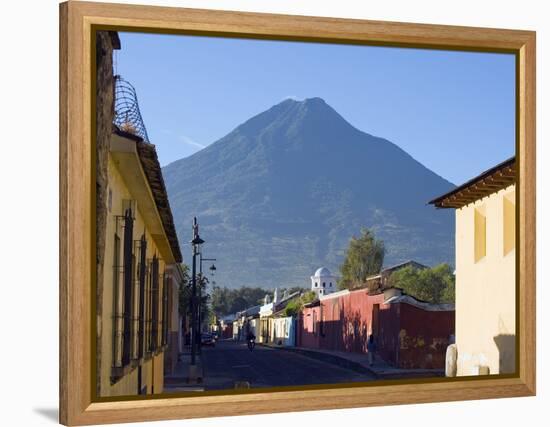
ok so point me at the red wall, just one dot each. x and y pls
(227, 331)
(307, 335)
(387, 337)
(346, 325)
(424, 337)
(406, 336)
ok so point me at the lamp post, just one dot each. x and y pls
(196, 242)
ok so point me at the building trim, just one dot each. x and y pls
(492, 180)
(125, 143)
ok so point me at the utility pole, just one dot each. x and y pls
(196, 242)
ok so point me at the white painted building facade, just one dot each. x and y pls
(323, 282)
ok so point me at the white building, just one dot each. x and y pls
(323, 282)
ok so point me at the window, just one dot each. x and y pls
(316, 284)
(135, 301)
(324, 284)
(509, 222)
(142, 274)
(330, 284)
(166, 309)
(122, 289)
(131, 205)
(480, 234)
(127, 260)
(117, 304)
(155, 301)
(148, 308)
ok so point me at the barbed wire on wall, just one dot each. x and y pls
(127, 115)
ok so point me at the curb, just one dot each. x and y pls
(358, 367)
(330, 358)
(184, 380)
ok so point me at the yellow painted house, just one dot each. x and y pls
(138, 296)
(485, 209)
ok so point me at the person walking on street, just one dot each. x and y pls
(371, 349)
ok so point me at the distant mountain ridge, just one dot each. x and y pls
(282, 194)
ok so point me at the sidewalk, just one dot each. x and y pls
(358, 362)
(178, 381)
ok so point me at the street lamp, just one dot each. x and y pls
(196, 242)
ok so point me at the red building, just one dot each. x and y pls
(409, 333)
(340, 321)
(226, 327)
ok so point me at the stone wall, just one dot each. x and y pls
(106, 42)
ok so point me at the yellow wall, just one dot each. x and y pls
(485, 286)
(175, 315)
(159, 372)
(127, 385)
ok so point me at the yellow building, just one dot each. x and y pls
(138, 296)
(485, 271)
(176, 276)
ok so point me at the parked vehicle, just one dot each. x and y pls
(208, 339)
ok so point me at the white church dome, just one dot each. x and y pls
(322, 272)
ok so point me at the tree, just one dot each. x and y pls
(435, 285)
(297, 304)
(220, 301)
(226, 301)
(364, 257)
(185, 292)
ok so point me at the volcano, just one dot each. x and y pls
(284, 192)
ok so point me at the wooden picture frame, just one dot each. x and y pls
(78, 20)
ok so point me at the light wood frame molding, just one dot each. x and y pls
(77, 20)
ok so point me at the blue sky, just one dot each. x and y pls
(452, 111)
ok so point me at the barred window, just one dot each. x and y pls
(148, 306)
(127, 275)
(135, 302)
(155, 301)
(166, 308)
(142, 274)
(117, 303)
(122, 289)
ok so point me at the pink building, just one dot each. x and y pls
(340, 321)
(409, 333)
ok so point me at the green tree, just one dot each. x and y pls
(297, 304)
(226, 301)
(435, 285)
(185, 292)
(220, 300)
(364, 257)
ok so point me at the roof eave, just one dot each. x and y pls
(491, 181)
